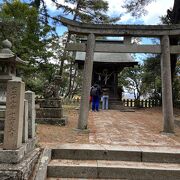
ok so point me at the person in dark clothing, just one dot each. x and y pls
(96, 95)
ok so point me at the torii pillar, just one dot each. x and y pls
(87, 77)
(167, 104)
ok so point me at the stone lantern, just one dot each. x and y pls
(8, 67)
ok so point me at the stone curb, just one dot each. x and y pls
(41, 171)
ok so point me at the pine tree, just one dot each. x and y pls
(88, 11)
(29, 36)
(137, 7)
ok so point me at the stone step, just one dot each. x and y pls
(53, 121)
(2, 124)
(2, 103)
(113, 170)
(2, 113)
(1, 136)
(50, 178)
(117, 153)
(115, 104)
(118, 105)
(115, 101)
(121, 108)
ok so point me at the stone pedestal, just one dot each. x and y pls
(50, 112)
(14, 115)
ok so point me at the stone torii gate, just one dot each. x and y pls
(163, 32)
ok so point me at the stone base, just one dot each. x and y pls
(53, 121)
(2, 113)
(15, 156)
(167, 133)
(22, 170)
(49, 103)
(49, 113)
(41, 167)
(1, 136)
(85, 131)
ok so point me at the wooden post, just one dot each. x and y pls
(115, 83)
(131, 103)
(127, 39)
(87, 77)
(146, 103)
(127, 102)
(167, 104)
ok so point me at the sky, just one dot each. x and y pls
(154, 10)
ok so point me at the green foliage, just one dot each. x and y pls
(136, 7)
(176, 83)
(165, 20)
(131, 79)
(30, 39)
(152, 77)
(144, 79)
(89, 11)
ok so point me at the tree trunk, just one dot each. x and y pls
(70, 80)
(68, 39)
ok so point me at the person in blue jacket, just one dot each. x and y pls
(95, 93)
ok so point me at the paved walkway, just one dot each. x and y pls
(142, 127)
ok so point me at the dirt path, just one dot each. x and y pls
(142, 127)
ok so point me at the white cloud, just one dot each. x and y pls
(115, 7)
(156, 9)
(52, 7)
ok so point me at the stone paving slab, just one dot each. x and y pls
(113, 169)
(139, 165)
(117, 153)
(70, 168)
(142, 127)
(118, 147)
(79, 146)
(113, 127)
(93, 152)
(2, 113)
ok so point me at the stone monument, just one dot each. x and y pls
(8, 63)
(18, 155)
(8, 69)
(50, 109)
